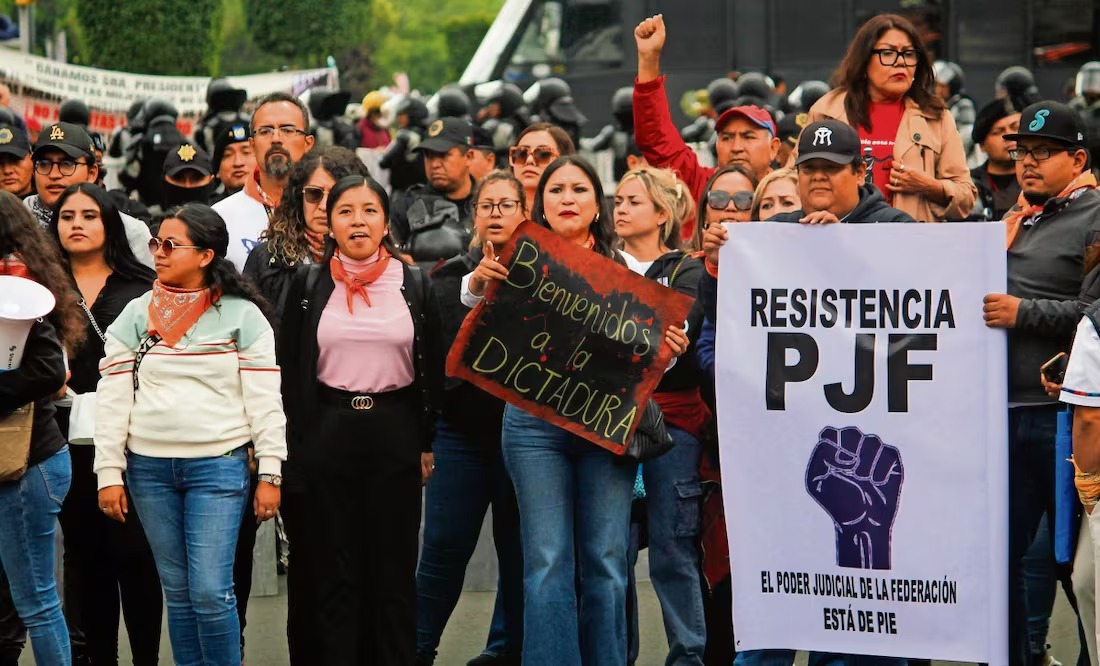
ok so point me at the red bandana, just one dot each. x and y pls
(357, 284)
(13, 265)
(172, 312)
(252, 188)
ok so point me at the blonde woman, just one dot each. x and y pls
(777, 193)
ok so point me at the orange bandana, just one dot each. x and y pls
(13, 265)
(357, 284)
(172, 312)
(1025, 210)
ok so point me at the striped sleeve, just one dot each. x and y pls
(114, 401)
(1082, 383)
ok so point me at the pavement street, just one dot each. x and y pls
(465, 635)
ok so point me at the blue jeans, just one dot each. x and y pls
(673, 497)
(786, 658)
(574, 506)
(28, 521)
(469, 477)
(192, 509)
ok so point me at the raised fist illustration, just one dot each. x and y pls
(857, 479)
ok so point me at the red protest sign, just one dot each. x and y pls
(572, 337)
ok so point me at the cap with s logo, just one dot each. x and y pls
(1051, 120)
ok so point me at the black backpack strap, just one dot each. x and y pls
(143, 349)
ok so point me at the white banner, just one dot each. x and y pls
(39, 85)
(862, 417)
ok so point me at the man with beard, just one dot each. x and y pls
(16, 167)
(279, 139)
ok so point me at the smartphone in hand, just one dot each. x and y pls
(1054, 370)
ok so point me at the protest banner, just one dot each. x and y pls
(862, 425)
(572, 337)
(39, 85)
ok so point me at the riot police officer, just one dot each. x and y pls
(503, 115)
(551, 100)
(223, 107)
(722, 94)
(951, 88)
(452, 102)
(406, 165)
(1087, 101)
(619, 136)
(327, 107)
(143, 171)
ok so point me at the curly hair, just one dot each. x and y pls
(20, 233)
(285, 236)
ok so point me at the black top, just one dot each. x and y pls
(116, 294)
(681, 272)
(469, 410)
(298, 350)
(272, 276)
(872, 207)
(430, 226)
(39, 376)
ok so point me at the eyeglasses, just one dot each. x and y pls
(155, 244)
(1040, 153)
(517, 155)
(719, 200)
(313, 195)
(506, 207)
(66, 167)
(890, 57)
(284, 131)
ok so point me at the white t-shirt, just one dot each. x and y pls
(246, 219)
(1082, 383)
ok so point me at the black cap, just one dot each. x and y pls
(224, 135)
(828, 140)
(790, 127)
(991, 113)
(482, 140)
(446, 133)
(1050, 120)
(73, 140)
(187, 156)
(13, 141)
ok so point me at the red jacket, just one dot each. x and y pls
(660, 141)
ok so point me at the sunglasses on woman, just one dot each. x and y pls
(718, 200)
(313, 195)
(155, 244)
(518, 155)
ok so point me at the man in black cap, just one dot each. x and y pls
(1052, 247)
(64, 156)
(433, 222)
(188, 177)
(996, 181)
(483, 157)
(233, 160)
(16, 167)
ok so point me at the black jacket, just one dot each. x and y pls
(272, 276)
(872, 207)
(681, 272)
(39, 376)
(298, 351)
(992, 201)
(116, 294)
(466, 408)
(429, 226)
(1046, 269)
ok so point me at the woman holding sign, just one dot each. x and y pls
(362, 356)
(30, 502)
(650, 205)
(574, 497)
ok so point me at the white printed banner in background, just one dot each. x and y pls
(39, 85)
(862, 419)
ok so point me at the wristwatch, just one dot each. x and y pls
(273, 479)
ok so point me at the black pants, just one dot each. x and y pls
(108, 567)
(242, 562)
(352, 514)
(13, 635)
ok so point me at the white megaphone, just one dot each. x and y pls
(22, 301)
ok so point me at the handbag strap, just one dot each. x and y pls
(146, 344)
(91, 318)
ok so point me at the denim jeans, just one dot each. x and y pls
(192, 509)
(673, 496)
(786, 658)
(1041, 575)
(574, 505)
(469, 477)
(28, 521)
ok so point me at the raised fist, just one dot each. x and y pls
(650, 35)
(857, 480)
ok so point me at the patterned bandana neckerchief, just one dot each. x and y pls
(252, 188)
(43, 214)
(13, 265)
(357, 284)
(1015, 218)
(172, 312)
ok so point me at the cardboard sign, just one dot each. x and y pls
(571, 337)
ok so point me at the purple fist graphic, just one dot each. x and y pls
(857, 479)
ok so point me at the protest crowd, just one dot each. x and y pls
(252, 327)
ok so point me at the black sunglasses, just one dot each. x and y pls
(719, 200)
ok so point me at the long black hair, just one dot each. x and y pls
(116, 248)
(207, 230)
(350, 183)
(601, 227)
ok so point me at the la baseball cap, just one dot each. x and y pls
(446, 133)
(1051, 120)
(13, 141)
(829, 140)
(73, 140)
(187, 156)
(754, 114)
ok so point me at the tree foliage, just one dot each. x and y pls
(463, 35)
(151, 36)
(302, 31)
